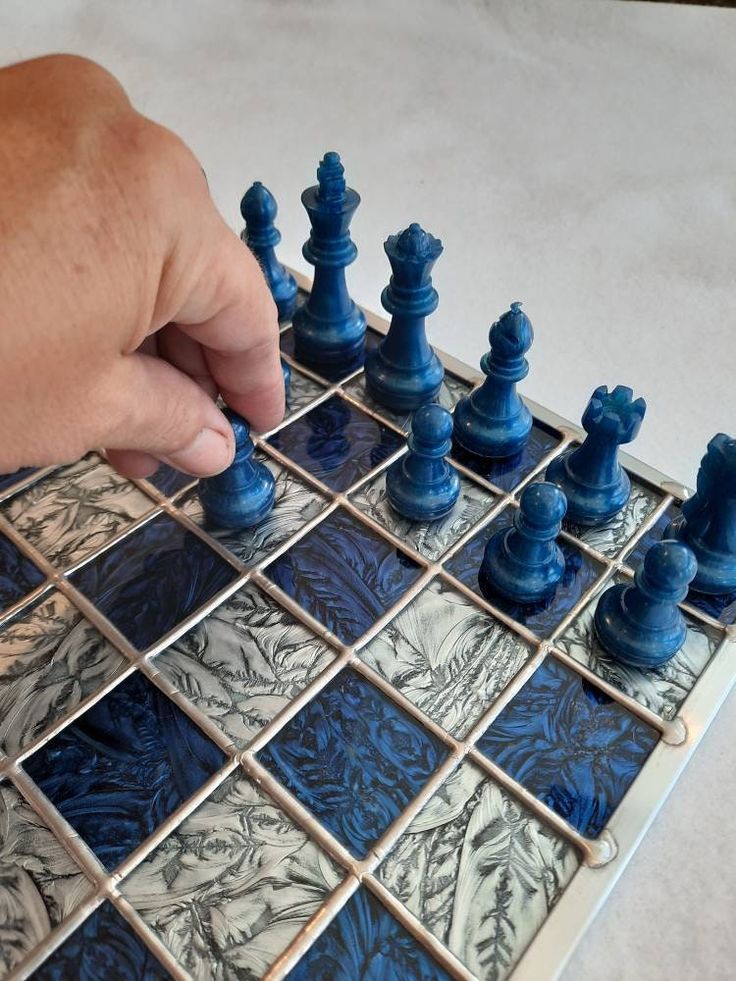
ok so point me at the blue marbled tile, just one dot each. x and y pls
(104, 946)
(18, 575)
(344, 574)
(508, 473)
(581, 571)
(570, 744)
(451, 391)
(170, 481)
(122, 767)
(8, 479)
(336, 442)
(153, 579)
(365, 941)
(334, 373)
(354, 759)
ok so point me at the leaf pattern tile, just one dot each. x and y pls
(450, 393)
(18, 575)
(104, 946)
(154, 578)
(75, 510)
(569, 744)
(116, 772)
(365, 941)
(8, 479)
(39, 883)
(51, 659)
(479, 871)
(302, 391)
(230, 888)
(333, 373)
(354, 759)
(244, 663)
(508, 474)
(610, 538)
(337, 442)
(170, 481)
(344, 575)
(447, 656)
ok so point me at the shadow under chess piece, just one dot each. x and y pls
(258, 208)
(641, 624)
(422, 485)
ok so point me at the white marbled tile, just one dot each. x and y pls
(450, 394)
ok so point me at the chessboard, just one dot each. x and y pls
(313, 748)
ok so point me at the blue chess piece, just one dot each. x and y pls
(258, 208)
(403, 372)
(524, 563)
(708, 520)
(329, 329)
(493, 421)
(641, 624)
(422, 485)
(595, 483)
(286, 372)
(242, 495)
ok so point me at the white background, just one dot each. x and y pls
(578, 156)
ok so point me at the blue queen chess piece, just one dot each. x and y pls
(329, 329)
(422, 485)
(242, 495)
(524, 563)
(641, 624)
(595, 483)
(403, 372)
(708, 520)
(493, 421)
(258, 208)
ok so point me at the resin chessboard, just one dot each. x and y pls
(313, 749)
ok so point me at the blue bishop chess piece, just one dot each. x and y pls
(641, 624)
(258, 208)
(524, 563)
(242, 495)
(594, 482)
(493, 421)
(403, 372)
(422, 485)
(329, 329)
(708, 519)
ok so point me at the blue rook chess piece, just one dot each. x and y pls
(493, 421)
(524, 563)
(403, 372)
(258, 208)
(422, 485)
(708, 520)
(329, 329)
(242, 495)
(594, 482)
(641, 624)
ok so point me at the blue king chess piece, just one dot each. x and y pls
(524, 563)
(422, 485)
(329, 329)
(258, 208)
(493, 421)
(708, 520)
(403, 372)
(641, 625)
(242, 495)
(595, 483)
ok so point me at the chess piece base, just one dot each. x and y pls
(239, 507)
(433, 503)
(402, 389)
(498, 440)
(624, 640)
(586, 505)
(716, 573)
(516, 581)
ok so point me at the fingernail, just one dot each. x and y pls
(210, 452)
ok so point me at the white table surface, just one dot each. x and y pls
(578, 156)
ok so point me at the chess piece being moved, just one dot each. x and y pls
(594, 482)
(242, 495)
(524, 563)
(403, 372)
(493, 421)
(258, 208)
(641, 625)
(708, 520)
(422, 485)
(329, 329)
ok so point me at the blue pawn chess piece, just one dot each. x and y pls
(329, 329)
(524, 563)
(708, 520)
(403, 372)
(594, 482)
(258, 208)
(242, 495)
(641, 624)
(422, 485)
(493, 421)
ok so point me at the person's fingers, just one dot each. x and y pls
(186, 354)
(133, 463)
